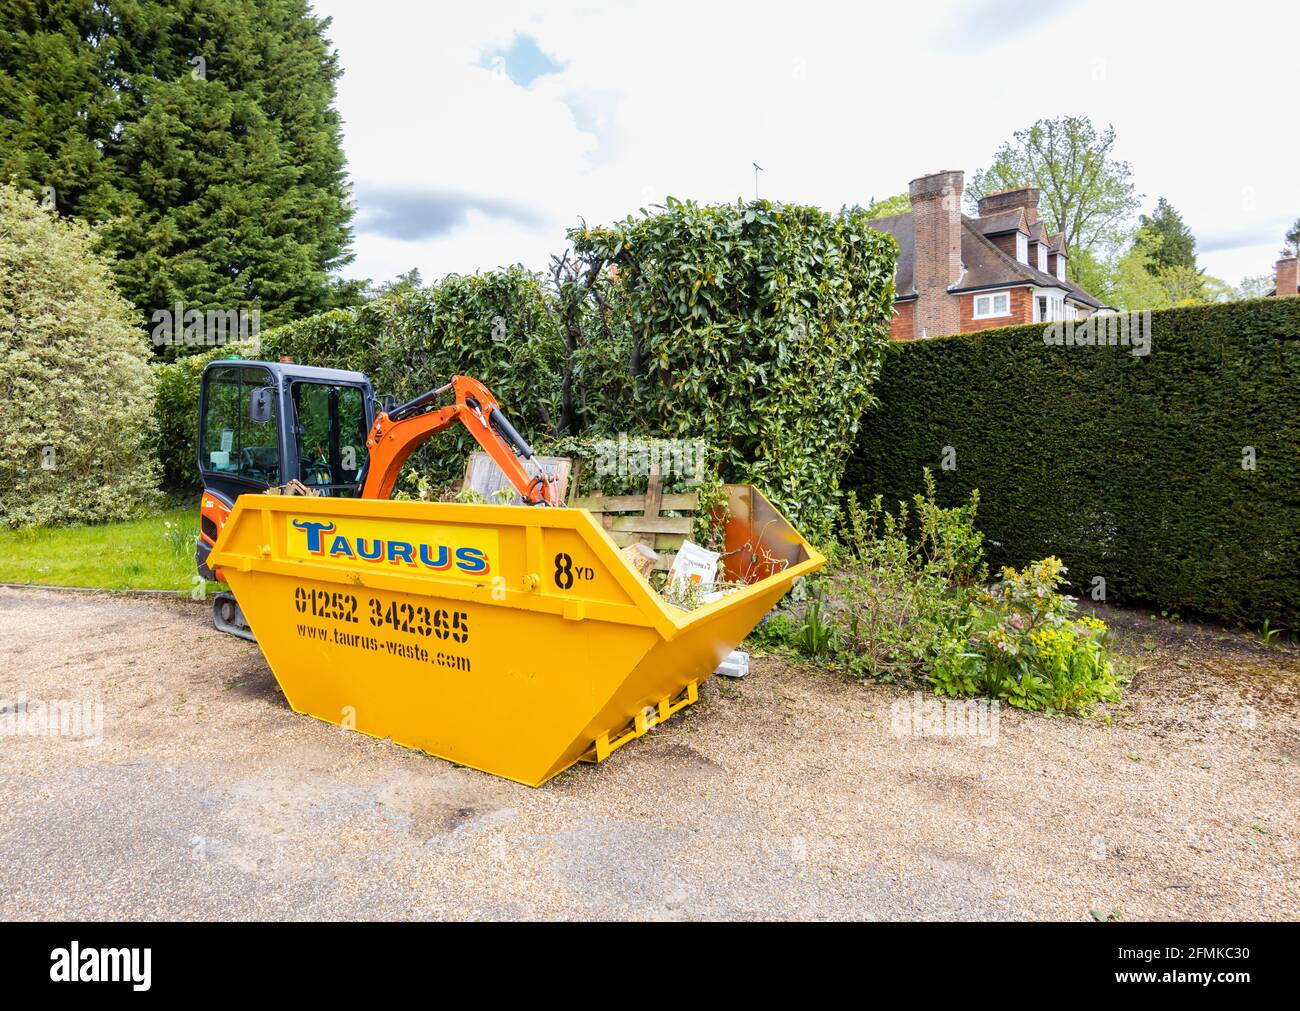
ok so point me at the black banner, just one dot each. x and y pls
(140, 960)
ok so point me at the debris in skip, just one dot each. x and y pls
(693, 578)
(641, 558)
(693, 565)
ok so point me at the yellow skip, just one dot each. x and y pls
(514, 640)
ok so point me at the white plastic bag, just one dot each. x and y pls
(693, 564)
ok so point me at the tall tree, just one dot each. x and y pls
(887, 207)
(1133, 284)
(1256, 286)
(1087, 192)
(1177, 246)
(219, 177)
(56, 103)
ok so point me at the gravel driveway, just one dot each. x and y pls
(790, 794)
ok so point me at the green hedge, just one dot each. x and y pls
(1126, 466)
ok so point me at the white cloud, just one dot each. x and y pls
(838, 103)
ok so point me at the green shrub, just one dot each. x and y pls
(774, 632)
(906, 600)
(757, 326)
(1128, 467)
(176, 419)
(912, 606)
(75, 385)
(1029, 649)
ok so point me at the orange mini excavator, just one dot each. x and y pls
(280, 426)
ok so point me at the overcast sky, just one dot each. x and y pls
(477, 132)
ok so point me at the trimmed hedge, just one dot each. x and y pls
(1127, 467)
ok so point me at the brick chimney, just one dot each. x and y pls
(936, 221)
(1009, 200)
(1287, 276)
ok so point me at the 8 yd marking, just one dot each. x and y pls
(566, 572)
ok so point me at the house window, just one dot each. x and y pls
(1042, 258)
(1040, 304)
(1022, 247)
(1060, 268)
(997, 303)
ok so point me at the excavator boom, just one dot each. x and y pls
(396, 434)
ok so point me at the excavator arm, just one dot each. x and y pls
(398, 433)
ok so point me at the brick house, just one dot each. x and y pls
(958, 273)
(1288, 277)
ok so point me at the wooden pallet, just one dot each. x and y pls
(632, 518)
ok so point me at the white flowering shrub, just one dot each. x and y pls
(76, 385)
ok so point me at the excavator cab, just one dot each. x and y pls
(265, 425)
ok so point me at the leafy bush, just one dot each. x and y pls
(907, 599)
(75, 385)
(1175, 476)
(774, 632)
(912, 606)
(1029, 649)
(176, 417)
(758, 326)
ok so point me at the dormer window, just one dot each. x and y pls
(1042, 258)
(1060, 268)
(1022, 247)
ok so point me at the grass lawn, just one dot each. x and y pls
(156, 553)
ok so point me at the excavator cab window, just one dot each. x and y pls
(330, 429)
(233, 444)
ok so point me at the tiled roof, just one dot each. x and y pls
(985, 265)
(1006, 221)
(900, 227)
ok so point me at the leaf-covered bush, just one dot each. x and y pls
(1029, 649)
(906, 584)
(755, 327)
(906, 602)
(76, 390)
(759, 327)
